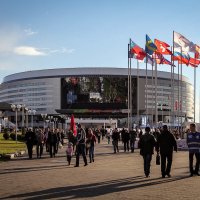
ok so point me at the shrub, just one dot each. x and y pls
(12, 136)
(6, 136)
(20, 137)
(5, 130)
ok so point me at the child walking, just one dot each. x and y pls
(69, 152)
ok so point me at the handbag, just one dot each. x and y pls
(157, 159)
(60, 146)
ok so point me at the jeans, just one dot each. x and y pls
(147, 163)
(126, 145)
(80, 149)
(115, 146)
(39, 149)
(52, 150)
(132, 145)
(91, 153)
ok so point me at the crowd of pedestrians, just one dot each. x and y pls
(162, 141)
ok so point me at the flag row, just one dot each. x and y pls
(155, 51)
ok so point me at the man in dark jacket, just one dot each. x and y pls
(166, 145)
(52, 141)
(30, 139)
(80, 146)
(133, 136)
(115, 138)
(146, 144)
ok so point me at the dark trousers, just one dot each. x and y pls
(132, 145)
(126, 145)
(99, 139)
(91, 153)
(115, 146)
(147, 163)
(191, 156)
(52, 150)
(80, 149)
(69, 157)
(166, 167)
(39, 150)
(30, 150)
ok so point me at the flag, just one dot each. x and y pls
(73, 125)
(194, 61)
(197, 51)
(181, 58)
(158, 57)
(147, 59)
(136, 51)
(167, 62)
(162, 47)
(150, 47)
(181, 41)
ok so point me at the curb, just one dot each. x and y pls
(12, 155)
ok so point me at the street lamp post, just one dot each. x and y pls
(23, 110)
(44, 117)
(32, 112)
(16, 108)
(55, 122)
(26, 113)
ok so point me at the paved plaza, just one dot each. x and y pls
(111, 176)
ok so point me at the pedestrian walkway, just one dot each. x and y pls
(111, 176)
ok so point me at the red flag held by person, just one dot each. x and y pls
(73, 125)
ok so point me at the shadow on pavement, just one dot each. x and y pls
(95, 189)
(29, 169)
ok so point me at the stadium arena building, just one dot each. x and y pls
(96, 93)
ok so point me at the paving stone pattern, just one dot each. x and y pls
(111, 176)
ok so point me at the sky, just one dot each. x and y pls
(44, 34)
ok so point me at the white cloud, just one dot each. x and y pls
(28, 51)
(29, 32)
(62, 50)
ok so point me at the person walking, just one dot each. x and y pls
(146, 144)
(125, 139)
(91, 141)
(133, 136)
(30, 139)
(80, 146)
(40, 142)
(69, 152)
(166, 144)
(52, 140)
(193, 142)
(115, 138)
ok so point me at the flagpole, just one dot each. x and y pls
(178, 111)
(152, 91)
(146, 98)
(128, 86)
(170, 107)
(194, 93)
(181, 104)
(173, 114)
(131, 103)
(156, 107)
(138, 99)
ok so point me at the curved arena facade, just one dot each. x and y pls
(97, 92)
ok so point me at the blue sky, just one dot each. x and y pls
(44, 34)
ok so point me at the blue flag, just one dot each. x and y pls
(150, 47)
